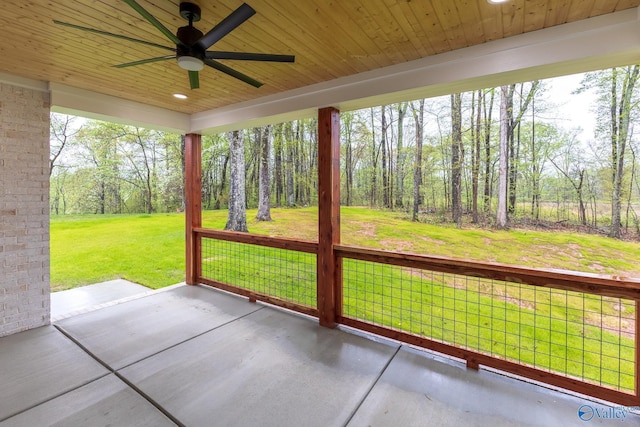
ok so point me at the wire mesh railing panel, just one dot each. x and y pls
(285, 274)
(582, 336)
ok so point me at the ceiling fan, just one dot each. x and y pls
(191, 44)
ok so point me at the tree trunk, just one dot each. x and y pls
(400, 156)
(237, 218)
(535, 173)
(289, 166)
(514, 143)
(475, 159)
(374, 163)
(501, 216)
(223, 182)
(386, 199)
(620, 111)
(512, 163)
(487, 152)
(277, 173)
(348, 167)
(264, 192)
(418, 116)
(457, 157)
(583, 212)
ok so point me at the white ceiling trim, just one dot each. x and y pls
(23, 82)
(69, 100)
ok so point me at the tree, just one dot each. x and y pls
(171, 183)
(102, 192)
(457, 158)
(264, 206)
(386, 196)
(501, 215)
(400, 155)
(514, 122)
(277, 164)
(418, 117)
(140, 149)
(215, 161)
(476, 139)
(237, 218)
(616, 102)
(487, 149)
(289, 164)
(621, 106)
(63, 130)
(374, 162)
(569, 161)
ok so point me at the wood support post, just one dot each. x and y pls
(329, 270)
(637, 364)
(193, 205)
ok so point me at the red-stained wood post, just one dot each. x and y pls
(329, 271)
(193, 205)
(637, 343)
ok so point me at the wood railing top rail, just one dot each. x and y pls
(260, 240)
(614, 286)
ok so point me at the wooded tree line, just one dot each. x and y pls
(488, 156)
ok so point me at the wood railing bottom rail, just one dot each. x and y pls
(256, 296)
(475, 359)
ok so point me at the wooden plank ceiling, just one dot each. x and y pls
(329, 38)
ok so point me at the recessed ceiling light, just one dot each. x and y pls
(497, 1)
(179, 96)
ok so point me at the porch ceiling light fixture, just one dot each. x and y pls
(497, 1)
(190, 63)
(179, 96)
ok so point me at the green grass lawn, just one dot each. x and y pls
(146, 249)
(149, 249)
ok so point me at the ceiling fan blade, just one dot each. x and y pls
(145, 61)
(233, 73)
(194, 80)
(105, 33)
(153, 21)
(227, 25)
(246, 56)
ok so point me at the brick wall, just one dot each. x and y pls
(24, 209)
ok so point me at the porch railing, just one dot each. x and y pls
(571, 330)
(275, 270)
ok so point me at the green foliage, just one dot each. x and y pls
(112, 168)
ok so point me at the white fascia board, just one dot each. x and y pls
(600, 42)
(79, 102)
(12, 80)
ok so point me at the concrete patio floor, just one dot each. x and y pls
(92, 297)
(195, 356)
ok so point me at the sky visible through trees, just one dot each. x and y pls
(570, 158)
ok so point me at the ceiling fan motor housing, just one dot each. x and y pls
(189, 36)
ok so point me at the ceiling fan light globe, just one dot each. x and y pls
(190, 63)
